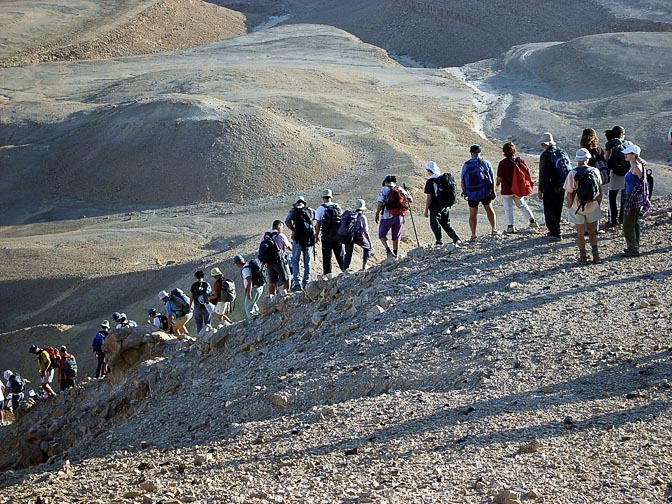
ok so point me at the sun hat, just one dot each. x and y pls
(360, 204)
(431, 166)
(239, 259)
(32, 349)
(547, 139)
(105, 324)
(300, 199)
(7, 374)
(476, 149)
(327, 193)
(163, 294)
(632, 149)
(122, 316)
(64, 348)
(215, 272)
(582, 155)
(116, 316)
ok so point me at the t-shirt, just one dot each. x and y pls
(430, 188)
(172, 309)
(194, 290)
(43, 360)
(571, 186)
(382, 198)
(280, 239)
(505, 172)
(98, 341)
(156, 322)
(245, 273)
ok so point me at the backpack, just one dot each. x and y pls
(617, 163)
(588, 186)
(269, 252)
(164, 321)
(649, 181)
(331, 222)
(477, 181)
(598, 161)
(562, 165)
(348, 227)
(521, 181)
(16, 384)
(203, 293)
(54, 356)
(258, 278)
(397, 202)
(228, 292)
(445, 190)
(304, 231)
(70, 367)
(181, 302)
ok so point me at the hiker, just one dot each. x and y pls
(327, 222)
(199, 296)
(554, 165)
(590, 141)
(45, 366)
(637, 201)
(67, 369)
(441, 191)
(393, 202)
(478, 187)
(253, 283)
(97, 345)
(618, 167)
(122, 321)
(273, 249)
(583, 187)
(354, 230)
(300, 222)
(14, 385)
(669, 136)
(223, 295)
(177, 311)
(157, 319)
(511, 167)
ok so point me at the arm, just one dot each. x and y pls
(542, 175)
(428, 202)
(379, 209)
(248, 287)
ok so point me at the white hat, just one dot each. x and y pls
(105, 324)
(582, 155)
(7, 374)
(327, 194)
(632, 149)
(547, 139)
(163, 294)
(431, 166)
(360, 204)
(300, 199)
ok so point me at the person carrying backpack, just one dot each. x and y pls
(67, 369)
(583, 187)
(478, 187)
(637, 201)
(199, 301)
(299, 221)
(513, 175)
(253, 283)
(618, 167)
(273, 249)
(15, 385)
(45, 368)
(441, 191)
(360, 234)
(177, 311)
(327, 222)
(157, 319)
(554, 165)
(590, 141)
(97, 345)
(223, 295)
(393, 203)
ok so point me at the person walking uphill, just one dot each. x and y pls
(199, 296)
(97, 345)
(67, 369)
(223, 295)
(637, 201)
(273, 249)
(554, 165)
(177, 311)
(513, 175)
(393, 203)
(583, 186)
(478, 187)
(354, 230)
(253, 283)
(300, 222)
(45, 368)
(441, 191)
(327, 222)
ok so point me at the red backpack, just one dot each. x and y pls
(521, 182)
(54, 356)
(397, 201)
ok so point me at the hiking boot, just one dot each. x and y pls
(533, 224)
(596, 259)
(583, 259)
(439, 243)
(629, 253)
(510, 229)
(296, 288)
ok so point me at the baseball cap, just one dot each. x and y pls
(238, 259)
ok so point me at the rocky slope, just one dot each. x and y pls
(498, 372)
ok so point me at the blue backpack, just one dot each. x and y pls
(562, 165)
(477, 181)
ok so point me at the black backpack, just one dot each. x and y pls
(202, 292)
(304, 231)
(164, 321)
(269, 252)
(331, 222)
(16, 383)
(617, 162)
(588, 187)
(445, 191)
(258, 277)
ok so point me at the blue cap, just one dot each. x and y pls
(32, 349)
(150, 311)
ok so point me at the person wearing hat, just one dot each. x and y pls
(361, 235)
(478, 188)
(199, 301)
(327, 222)
(551, 190)
(123, 321)
(252, 292)
(439, 213)
(97, 345)
(219, 293)
(387, 221)
(45, 368)
(15, 385)
(299, 221)
(157, 319)
(177, 314)
(67, 366)
(584, 214)
(637, 201)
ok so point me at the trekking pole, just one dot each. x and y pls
(410, 212)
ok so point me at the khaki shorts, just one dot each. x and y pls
(179, 323)
(222, 307)
(47, 377)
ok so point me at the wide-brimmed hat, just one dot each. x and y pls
(360, 204)
(582, 155)
(64, 349)
(7, 374)
(105, 324)
(163, 294)
(327, 193)
(431, 166)
(547, 139)
(632, 149)
(300, 199)
(215, 272)
(116, 316)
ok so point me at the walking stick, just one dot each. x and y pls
(410, 211)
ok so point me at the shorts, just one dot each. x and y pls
(394, 223)
(582, 218)
(223, 307)
(278, 272)
(47, 377)
(179, 323)
(484, 202)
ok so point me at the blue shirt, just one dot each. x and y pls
(172, 309)
(98, 341)
(630, 182)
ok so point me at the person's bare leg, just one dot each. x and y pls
(492, 218)
(473, 219)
